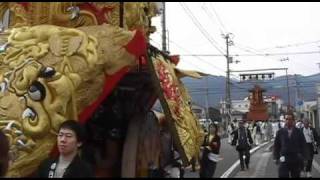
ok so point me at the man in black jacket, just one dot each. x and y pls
(68, 164)
(312, 141)
(289, 149)
(243, 141)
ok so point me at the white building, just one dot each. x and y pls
(199, 111)
(309, 110)
(240, 107)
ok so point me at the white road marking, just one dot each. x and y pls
(237, 163)
(316, 165)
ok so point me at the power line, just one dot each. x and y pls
(200, 27)
(290, 45)
(243, 89)
(249, 49)
(218, 17)
(210, 15)
(256, 54)
(203, 60)
(198, 67)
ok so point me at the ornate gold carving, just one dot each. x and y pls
(46, 74)
(177, 99)
(55, 57)
(137, 15)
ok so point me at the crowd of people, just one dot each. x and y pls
(294, 147)
(295, 144)
(260, 131)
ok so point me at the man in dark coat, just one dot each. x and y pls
(69, 164)
(312, 141)
(288, 149)
(243, 141)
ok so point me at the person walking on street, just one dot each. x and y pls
(210, 155)
(231, 128)
(258, 133)
(69, 140)
(243, 142)
(288, 149)
(299, 124)
(312, 141)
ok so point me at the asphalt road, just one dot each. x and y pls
(261, 163)
(229, 155)
(263, 166)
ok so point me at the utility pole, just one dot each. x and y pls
(228, 94)
(163, 22)
(299, 96)
(207, 99)
(288, 108)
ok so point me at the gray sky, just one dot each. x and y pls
(259, 29)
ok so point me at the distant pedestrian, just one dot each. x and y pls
(288, 149)
(299, 124)
(4, 154)
(312, 142)
(231, 128)
(257, 133)
(269, 131)
(69, 164)
(243, 142)
(211, 151)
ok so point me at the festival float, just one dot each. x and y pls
(92, 62)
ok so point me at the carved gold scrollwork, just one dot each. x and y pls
(45, 76)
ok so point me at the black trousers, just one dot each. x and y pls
(193, 164)
(246, 153)
(291, 169)
(310, 157)
(207, 167)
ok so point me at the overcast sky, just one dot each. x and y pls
(258, 29)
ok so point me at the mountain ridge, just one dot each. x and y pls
(300, 87)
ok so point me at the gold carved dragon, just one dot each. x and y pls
(54, 58)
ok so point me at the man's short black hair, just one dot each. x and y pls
(290, 114)
(75, 127)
